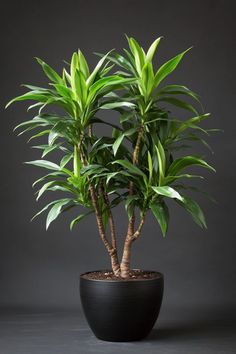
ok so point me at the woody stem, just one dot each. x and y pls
(125, 262)
(110, 249)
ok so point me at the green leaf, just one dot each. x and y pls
(107, 82)
(117, 105)
(78, 219)
(126, 116)
(45, 164)
(132, 168)
(83, 65)
(60, 129)
(117, 143)
(91, 78)
(37, 88)
(78, 82)
(167, 192)
(73, 67)
(151, 51)
(198, 190)
(118, 60)
(55, 211)
(132, 61)
(29, 96)
(130, 200)
(60, 187)
(168, 67)
(177, 90)
(65, 160)
(137, 53)
(131, 209)
(44, 188)
(54, 186)
(49, 148)
(161, 213)
(190, 122)
(52, 136)
(93, 168)
(179, 103)
(161, 161)
(81, 86)
(147, 81)
(51, 74)
(120, 138)
(45, 208)
(150, 166)
(44, 132)
(111, 175)
(183, 162)
(38, 104)
(64, 91)
(66, 76)
(31, 123)
(106, 70)
(194, 209)
(169, 179)
(49, 176)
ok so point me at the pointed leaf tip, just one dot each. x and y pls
(168, 67)
(152, 49)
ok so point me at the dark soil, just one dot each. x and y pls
(136, 274)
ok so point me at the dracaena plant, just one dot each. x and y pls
(136, 165)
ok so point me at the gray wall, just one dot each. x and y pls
(39, 268)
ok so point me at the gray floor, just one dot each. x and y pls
(185, 330)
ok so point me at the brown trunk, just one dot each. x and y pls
(131, 185)
(130, 238)
(112, 251)
(114, 257)
(125, 263)
(110, 216)
(137, 146)
(115, 263)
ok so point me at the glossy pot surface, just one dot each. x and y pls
(121, 310)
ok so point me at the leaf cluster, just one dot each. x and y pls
(128, 84)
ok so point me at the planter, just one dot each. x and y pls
(121, 310)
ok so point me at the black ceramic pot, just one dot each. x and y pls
(121, 310)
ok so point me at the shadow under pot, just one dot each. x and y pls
(121, 310)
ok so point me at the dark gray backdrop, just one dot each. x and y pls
(41, 269)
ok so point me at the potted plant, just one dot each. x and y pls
(135, 166)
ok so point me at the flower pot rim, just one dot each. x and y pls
(161, 276)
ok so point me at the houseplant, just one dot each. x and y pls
(135, 166)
